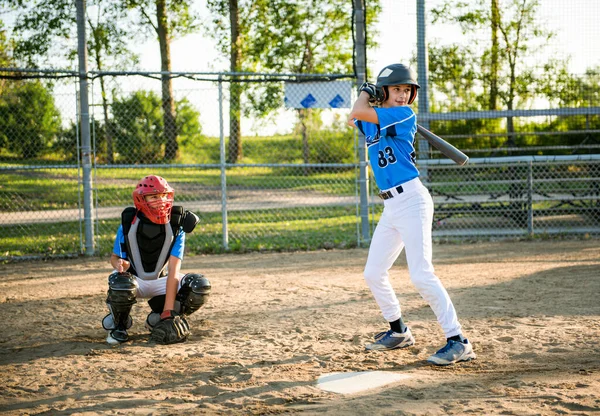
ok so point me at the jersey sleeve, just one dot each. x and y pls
(370, 130)
(119, 246)
(179, 245)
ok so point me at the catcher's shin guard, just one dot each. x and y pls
(122, 290)
(194, 292)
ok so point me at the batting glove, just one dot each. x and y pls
(375, 93)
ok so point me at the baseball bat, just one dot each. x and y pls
(443, 146)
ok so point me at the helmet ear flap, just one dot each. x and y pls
(385, 93)
(413, 94)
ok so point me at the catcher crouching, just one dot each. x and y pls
(147, 257)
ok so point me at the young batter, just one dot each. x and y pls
(383, 115)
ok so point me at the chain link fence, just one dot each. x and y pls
(289, 182)
(502, 197)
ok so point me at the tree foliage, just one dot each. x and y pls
(5, 58)
(522, 35)
(29, 119)
(286, 37)
(514, 65)
(43, 30)
(45, 33)
(139, 126)
(282, 36)
(166, 19)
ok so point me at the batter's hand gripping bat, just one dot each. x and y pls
(443, 146)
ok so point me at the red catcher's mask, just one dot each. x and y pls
(159, 211)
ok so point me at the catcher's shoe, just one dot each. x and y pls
(117, 336)
(453, 352)
(391, 340)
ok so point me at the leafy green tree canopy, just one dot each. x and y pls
(283, 36)
(29, 119)
(139, 127)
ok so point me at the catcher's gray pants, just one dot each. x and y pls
(406, 223)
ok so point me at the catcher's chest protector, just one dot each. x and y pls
(148, 244)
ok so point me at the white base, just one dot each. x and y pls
(348, 383)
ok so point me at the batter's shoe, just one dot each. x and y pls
(453, 352)
(391, 340)
(117, 336)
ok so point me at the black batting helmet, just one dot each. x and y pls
(397, 74)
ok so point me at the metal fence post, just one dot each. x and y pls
(530, 199)
(86, 151)
(423, 80)
(223, 168)
(361, 74)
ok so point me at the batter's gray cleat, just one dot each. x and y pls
(391, 340)
(379, 335)
(117, 336)
(453, 352)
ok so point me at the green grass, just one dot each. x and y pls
(50, 189)
(54, 239)
(259, 230)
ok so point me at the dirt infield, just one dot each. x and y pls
(275, 322)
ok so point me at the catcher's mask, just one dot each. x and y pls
(158, 211)
(397, 74)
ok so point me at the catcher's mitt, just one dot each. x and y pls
(170, 330)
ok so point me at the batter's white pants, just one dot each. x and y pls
(406, 222)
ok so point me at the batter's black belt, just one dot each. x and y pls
(388, 194)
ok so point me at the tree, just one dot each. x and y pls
(5, 58)
(168, 19)
(139, 126)
(494, 56)
(230, 8)
(520, 34)
(455, 74)
(67, 143)
(44, 30)
(30, 121)
(563, 89)
(282, 36)
(107, 42)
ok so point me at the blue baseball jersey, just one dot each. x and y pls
(176, 251)
(390, 145)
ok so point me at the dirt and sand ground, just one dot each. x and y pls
(275, 322)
